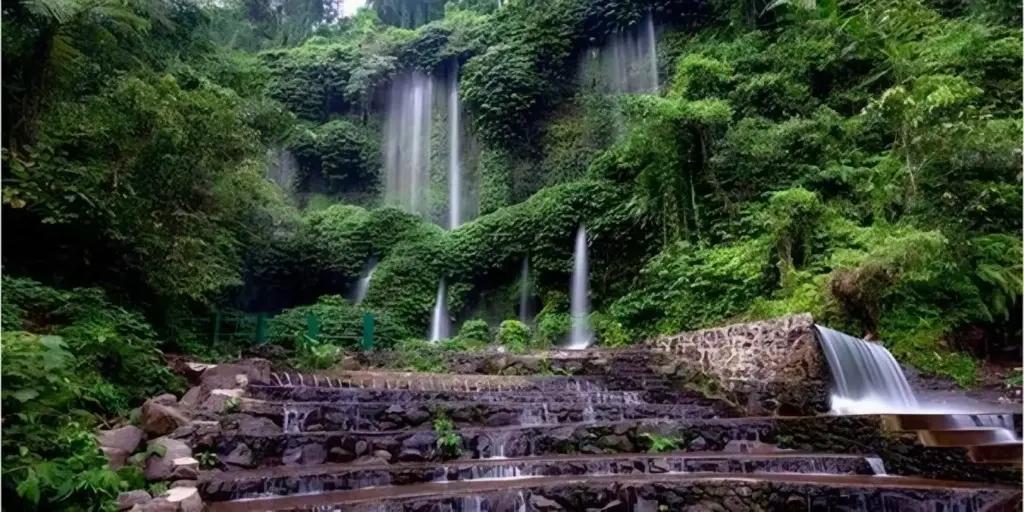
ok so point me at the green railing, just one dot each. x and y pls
(251, 328)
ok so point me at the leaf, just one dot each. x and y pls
(29, 488)
(24, 395)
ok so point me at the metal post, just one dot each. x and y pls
(312, 326)
(367, 332)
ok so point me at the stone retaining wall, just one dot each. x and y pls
(769, 367)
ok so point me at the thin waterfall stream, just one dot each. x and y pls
(580, 335)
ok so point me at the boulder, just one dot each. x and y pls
(127, 500)
(191, 398)
(620, 444)
(314, 453)
(159, 419)
(249, 425)
(292, 456)
(162, 467)
(178, 499)
(411, 455)
(241, 455)
(383, 454)
(125, 439)
(194, 370)
(185, 468)
(184, 483)
(116, 458)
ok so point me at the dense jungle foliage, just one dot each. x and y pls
(858, 160)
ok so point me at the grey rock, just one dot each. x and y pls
(542, 504)
(420, 441)
(502, 419)
(116, 458)
(184, 483)
(698, 444)
(734, 504)
(383, 454)
(620, 444)
(362, 447)
(417, 417)
(127, 500)
(659, 466)
(292, 456)
(411, 455)
(160, 420)
(191, 398)
(241, 455)
(162, 467)
(314, 453)
(126, 439)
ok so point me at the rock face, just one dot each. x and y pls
(775, 365)
(127, 500)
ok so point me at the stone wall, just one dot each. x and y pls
(769, 367)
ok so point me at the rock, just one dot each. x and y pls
(698, 444)
(184, 483)
(160, 420)
(658, 466)
(618, 506)
(185, 468)
(157, 505)
(542, 504)
(410, 455)
(502, 419)
(186, 498)
(383, 454)
(165, 399)
(292, 456)
(620, 444)
(362, 447)
(162, 467)
(116, 457)
(194, 370)
(223, 376)
(241, 455)
(339, 454)
(417, 417)
(314, 454)
(249, 425)
(420, 441)
(734, 504)
(127, 500)
(191, 398)
(126, 439)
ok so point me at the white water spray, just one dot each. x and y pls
(454, 155)
(580, 335)
(363, 285)
(407, 141)
(439, 327)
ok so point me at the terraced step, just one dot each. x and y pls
(999, 453)
(353, 395)
(486, 442)
(463, 382)
(391, 416)
(282, 481)
(649, 492)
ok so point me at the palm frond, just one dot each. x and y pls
(59, 11)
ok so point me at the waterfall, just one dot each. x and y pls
(363, 285)
(579, 306)
(629, 60)
(439, 321)
(524, 292)
(407, 141)
(454, 148)
(651, 47)
(866, 378)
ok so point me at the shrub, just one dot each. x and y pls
(475, 333)
(514, 336)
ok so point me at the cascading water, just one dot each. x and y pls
(363, 285)
(439, 327)
(579, 307)
(524, 292)
(629, 60)
(866, 378)
(407, 141)
(454, 155)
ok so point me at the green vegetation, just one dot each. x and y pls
(661, 443)
(448, 441)
(859, 161)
